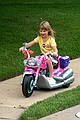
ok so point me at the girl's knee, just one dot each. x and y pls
(49, 60)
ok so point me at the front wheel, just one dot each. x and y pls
(27, 86)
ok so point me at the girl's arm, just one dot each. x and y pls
(55, 53)
(28, 45)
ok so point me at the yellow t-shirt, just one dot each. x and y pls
(45, 46)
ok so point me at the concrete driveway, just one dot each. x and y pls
(12, 100)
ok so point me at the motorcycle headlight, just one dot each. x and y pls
(38, 64)
(31, 61)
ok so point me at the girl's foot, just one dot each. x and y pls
(51, 80)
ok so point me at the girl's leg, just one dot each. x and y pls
(50, 66)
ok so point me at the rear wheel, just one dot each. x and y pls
(66, 86)
(27, 86)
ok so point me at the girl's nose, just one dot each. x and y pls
(42, 32)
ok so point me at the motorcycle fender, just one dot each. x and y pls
(28, 72)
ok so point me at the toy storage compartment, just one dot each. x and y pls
(64, 61)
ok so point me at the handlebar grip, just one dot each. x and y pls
(24, 44)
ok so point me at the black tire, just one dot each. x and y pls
(66, 86)
(27, 86)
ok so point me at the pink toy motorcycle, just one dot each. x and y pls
(36, 72)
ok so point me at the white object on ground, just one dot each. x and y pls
(77, 114)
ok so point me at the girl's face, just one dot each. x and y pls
(43, 33)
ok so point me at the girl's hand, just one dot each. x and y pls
(21, 49)
(55, 54)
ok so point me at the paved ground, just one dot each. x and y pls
(12, 100)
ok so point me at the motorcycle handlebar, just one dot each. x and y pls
(24, 46)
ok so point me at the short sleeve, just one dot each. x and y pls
(36, 39)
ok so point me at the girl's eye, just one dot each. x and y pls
(43, 31)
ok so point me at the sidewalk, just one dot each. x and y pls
(13, 103)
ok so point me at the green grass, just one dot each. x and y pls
(52, 104)
(19, 23)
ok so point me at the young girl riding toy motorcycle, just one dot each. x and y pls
(47, 44)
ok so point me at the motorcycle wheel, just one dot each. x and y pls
(27, 86)
(66, 86)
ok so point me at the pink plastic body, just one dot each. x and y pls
(43, 65)
(58, 71)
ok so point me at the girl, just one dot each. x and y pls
(46, 42)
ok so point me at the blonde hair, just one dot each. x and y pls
(44, 25)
